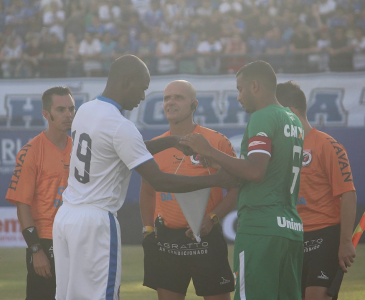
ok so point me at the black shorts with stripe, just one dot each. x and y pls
(171, 260)
(320, 260)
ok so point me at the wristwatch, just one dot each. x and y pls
(147, 229)
(35, 248)
(214, 218)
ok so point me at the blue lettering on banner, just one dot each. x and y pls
(301, 201)
(25, 111)
(166, 196)
(325, 107)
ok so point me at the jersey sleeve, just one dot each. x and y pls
(23, 181)
(337, 167)
(261, 131)
(225, 146)
(129, 145)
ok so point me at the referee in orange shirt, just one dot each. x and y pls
(326, 203)
(36, 187)
(172, 258)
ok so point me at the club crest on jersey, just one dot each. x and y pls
(195, 159)
(307, 157)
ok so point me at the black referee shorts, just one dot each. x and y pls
(320, 260)
(38, 287)
(171, 260)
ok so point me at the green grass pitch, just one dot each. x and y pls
(13, 275)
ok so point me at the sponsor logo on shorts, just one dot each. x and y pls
(323, 276)
(307, 157)
(190, 249)
(312, 245)
(283, 222)
(224, 281)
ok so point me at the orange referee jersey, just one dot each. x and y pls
(325, 176)
(166, 205)
(39, 179)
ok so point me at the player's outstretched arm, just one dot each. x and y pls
(347, 252)
(161, 144)
(41, 263)
(147, 204)
(253, 168)
(165, 182)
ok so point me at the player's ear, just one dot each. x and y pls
(46, 114)
(254, 87)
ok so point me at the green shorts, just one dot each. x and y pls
(267, 267)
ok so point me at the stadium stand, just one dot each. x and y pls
(64, 38)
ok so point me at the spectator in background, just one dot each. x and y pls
(154, 17)
(53, 65)
(256, 43)
(71, 53)
(302, 44)
(54, 20)
(134, 27)
(106, 53)
(205, 10)
(323, 45)
(338, 19)
(32, 55)
(165, 52)
(105, 13)
(75, 23)
(276, 47)
(96, 28)
(2, 17)
(358, 45)
(209, 60)
(89, 51)
(123, 46)
(10, 56)
(187, 45)
(92, 9)
(146, 50)
(340, 52)
(326, 8)
(237, 47)
(229, 6)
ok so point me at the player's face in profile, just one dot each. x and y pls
(177, 102)
(62, 112)
(245, 97)
(136, 92)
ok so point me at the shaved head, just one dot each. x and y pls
(128, 81)
(188, 87)
(126, 66)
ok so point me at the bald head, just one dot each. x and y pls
(126, 66)
(185, 85)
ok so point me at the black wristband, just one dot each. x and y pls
(30, 235)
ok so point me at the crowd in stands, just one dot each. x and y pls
(59, 38)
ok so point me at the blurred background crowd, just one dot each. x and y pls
(75, 38)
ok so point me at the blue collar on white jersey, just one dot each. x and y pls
(107, 100)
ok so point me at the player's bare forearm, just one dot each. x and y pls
(147, 203)
(347, 251)
(164, 182)
(161, 144)
(24, 215)
(253, 168)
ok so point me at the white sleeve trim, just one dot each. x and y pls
(140, 161)
(259, 151)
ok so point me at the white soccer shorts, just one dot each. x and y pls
(87, 250)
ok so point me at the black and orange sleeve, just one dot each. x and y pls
(23, 180)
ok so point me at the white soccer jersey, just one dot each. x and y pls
(106, 147)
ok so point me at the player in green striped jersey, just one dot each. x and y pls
(268, 247)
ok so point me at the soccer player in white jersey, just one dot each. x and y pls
(106, 148)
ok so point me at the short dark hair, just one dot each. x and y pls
(289, 94)
(261, 71)
(56, 90)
